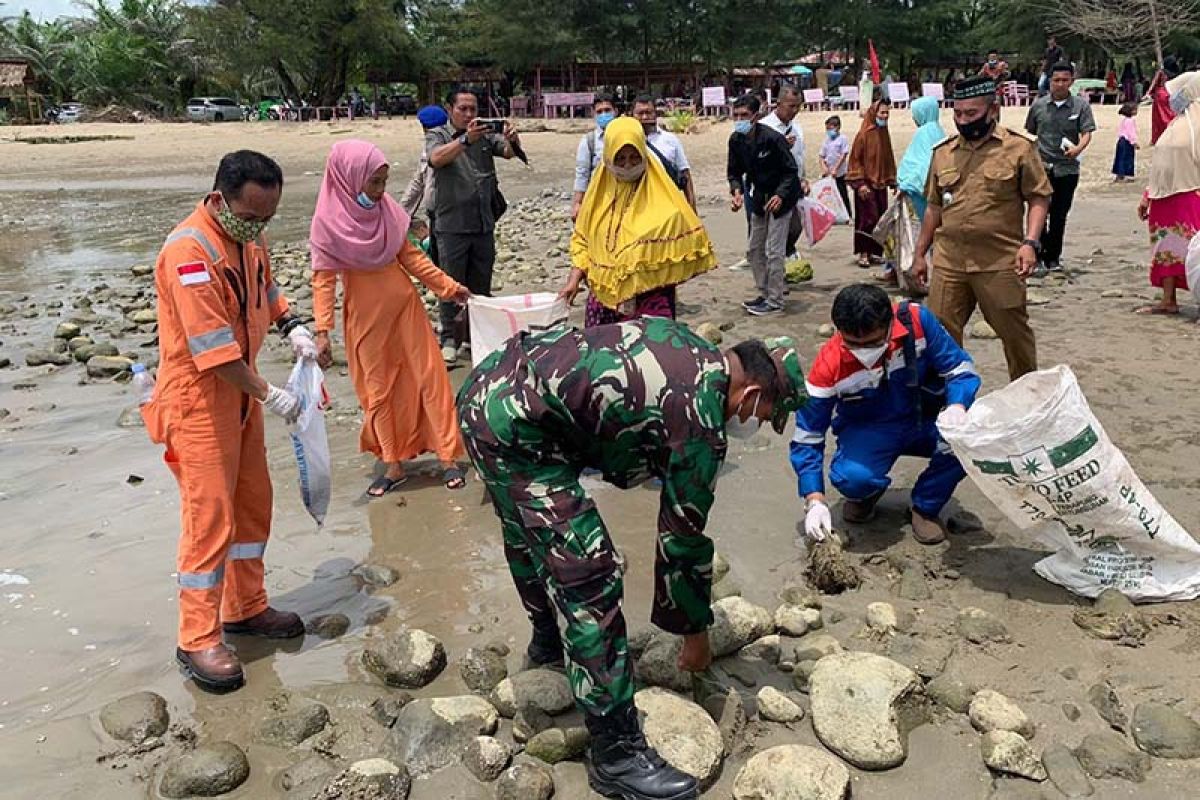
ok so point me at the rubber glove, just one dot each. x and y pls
(303, 344)
(952, 416)
(282, 403)
(818, 522)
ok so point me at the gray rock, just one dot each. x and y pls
(548, 690)
(481, 669)
(1104, 699)
(913, 584)
(991, 711)
(658, 665)
(729, 587)
(558, 744)
(1112, 294)
(710, 332)
(979, 627)
(1065, 772)
(314, 770)
(816, 646)
(1071, 712)
(529, 722)
(952, 691)
(825, 330)
(768, 649)
(720, 568)
(682, 733)
(67, 330)
(371, 779)
(76, 342)
(791, 620)
(1036, 299)
(527, 779)
(775, 706)
(409, 658)
(376, 574)
(144, 316)
(881, 619)
(1164, 732)
(108, 366)
(85, 352)
(925, 656)
(487, 757)
(142, 270)
(135, 718)
(981, 330)
(729, 712)
(292, 728)
(863, 706)
(431, 734)
(42, 358)
(1106, 755)
(207, 771)
(1010, 753)
(801, 595)
(802, 674)
(737, 623)
(327, 626)
(386, 710)
(792, 772)
(1113, 618)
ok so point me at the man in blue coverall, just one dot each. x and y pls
(880, 409)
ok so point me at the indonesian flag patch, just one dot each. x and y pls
(193, 273)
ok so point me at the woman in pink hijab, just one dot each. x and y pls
(360, 235)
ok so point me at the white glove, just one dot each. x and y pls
(303, 344)
(952, 416)
(283, 403)
(818, 522)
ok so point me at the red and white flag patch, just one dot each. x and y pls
(193, 273)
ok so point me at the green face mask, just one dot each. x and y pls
(240, 230)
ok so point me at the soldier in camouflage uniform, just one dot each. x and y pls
(638, 400)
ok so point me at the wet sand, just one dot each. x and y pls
(97, 617)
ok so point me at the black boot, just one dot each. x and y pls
(623, 765)
(545, 648)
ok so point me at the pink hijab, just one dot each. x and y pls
(344, 235)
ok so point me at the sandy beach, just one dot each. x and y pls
(90, 514)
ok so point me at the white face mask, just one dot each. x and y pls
(628, 174)
(869, 356)
(738, 429)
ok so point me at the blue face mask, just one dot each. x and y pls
(742, 126)
(603, 118)
(833, 134)
(364, 201)
(880, 122)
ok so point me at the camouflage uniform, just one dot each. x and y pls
(636, 400)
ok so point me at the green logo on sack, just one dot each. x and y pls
(1040, 463)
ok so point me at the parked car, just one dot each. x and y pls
(70, 112)
(213, 109)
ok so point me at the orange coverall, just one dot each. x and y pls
(216, 303)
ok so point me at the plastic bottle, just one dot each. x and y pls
(143, 384)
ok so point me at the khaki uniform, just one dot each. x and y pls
(982, 190)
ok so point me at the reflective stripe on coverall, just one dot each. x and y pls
(212, 311)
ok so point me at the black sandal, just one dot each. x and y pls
(383, 484)
(454, 478)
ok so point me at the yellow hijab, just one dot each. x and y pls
(634, 237)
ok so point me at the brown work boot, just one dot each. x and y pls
(856, 512)
(217, 669)
(270, 624)
(927, 530)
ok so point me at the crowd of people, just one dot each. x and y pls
(634, 395)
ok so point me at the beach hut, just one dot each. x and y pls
(17, 95)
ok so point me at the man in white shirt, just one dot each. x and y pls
(590, 152)
(783, 121)
(665, 145)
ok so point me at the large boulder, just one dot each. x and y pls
(863, 707)
(135, 718)
(431, 734)
(548, 690)
(1164, 732)
(792, 772)
(682, 733)
(207, 771)
(736, 623)
(409, 658)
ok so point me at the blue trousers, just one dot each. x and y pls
(866, 453)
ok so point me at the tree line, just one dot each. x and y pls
(154, 54)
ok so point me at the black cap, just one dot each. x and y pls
(978, 86)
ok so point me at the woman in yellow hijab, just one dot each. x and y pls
(636, 237)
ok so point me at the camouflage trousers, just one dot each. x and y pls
(558, 549)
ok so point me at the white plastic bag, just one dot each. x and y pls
(495, 320)
(826, 193)
(1037, 451)
(308, 437)
(817, 219)
(1192, 264)
(897, 232)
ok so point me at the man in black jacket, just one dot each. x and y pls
(764, 177)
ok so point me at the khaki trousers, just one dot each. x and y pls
(1000, 295)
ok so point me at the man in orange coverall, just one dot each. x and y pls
(216, 302)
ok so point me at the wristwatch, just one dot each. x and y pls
(1034, 243)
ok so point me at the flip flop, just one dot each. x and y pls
(1157, 311)
(454, 478)
(383, 484)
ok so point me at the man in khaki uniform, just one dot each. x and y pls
(984, 243)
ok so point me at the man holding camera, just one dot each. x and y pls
(466, 202)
